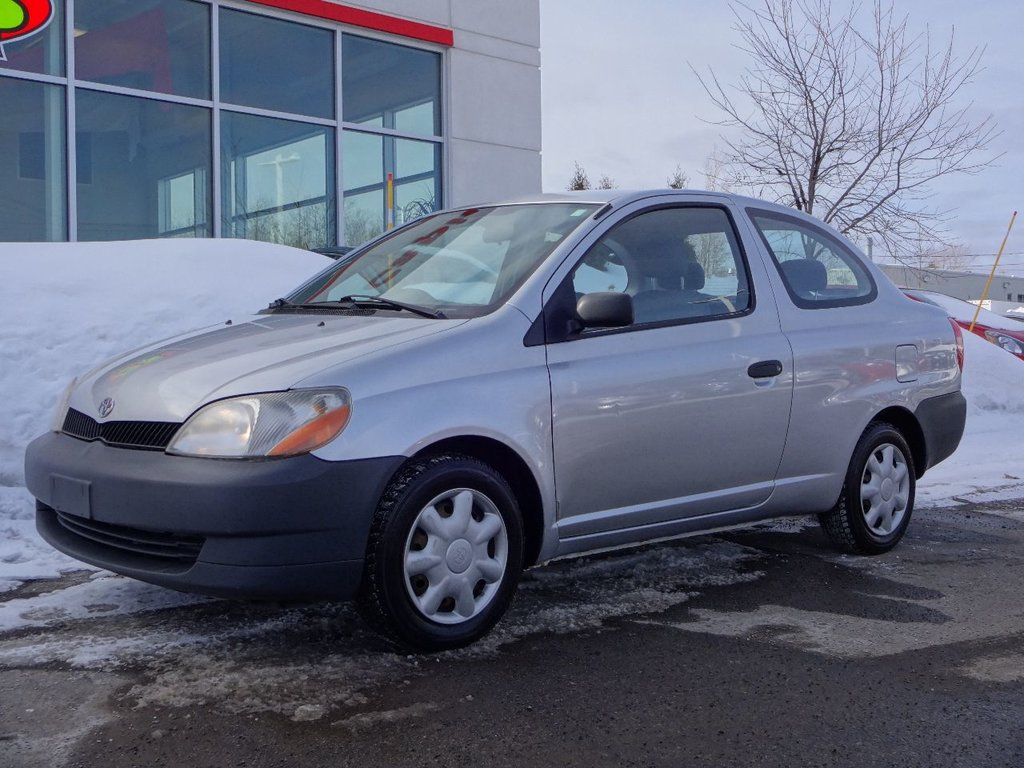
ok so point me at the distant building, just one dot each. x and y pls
(308, 122)
(961, 285)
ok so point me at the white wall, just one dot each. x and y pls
(494, 100)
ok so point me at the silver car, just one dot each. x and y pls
(488, 388)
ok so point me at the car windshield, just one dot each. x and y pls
(459, 263)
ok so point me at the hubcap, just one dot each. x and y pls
(455, 556)
(885, 489)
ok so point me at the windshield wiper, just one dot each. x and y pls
(355, 301)
(358, 299)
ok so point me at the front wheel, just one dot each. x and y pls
(877, 499)
(445, 553)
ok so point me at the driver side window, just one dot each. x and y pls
(600, 270)
(676, 264)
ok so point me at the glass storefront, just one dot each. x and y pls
(194, 118)
(159, 45)
(277, 180)
(274, 64)
(147, 168)
(33, 172)
(371, 162)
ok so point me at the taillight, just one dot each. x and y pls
(959, 343)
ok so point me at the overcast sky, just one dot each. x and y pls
(619, 97)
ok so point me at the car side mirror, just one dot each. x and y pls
(605, 309)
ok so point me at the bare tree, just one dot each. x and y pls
(678, 179)
(715, 169)
(606, 182)
(953, 257)
(579, 179)
(851, 124)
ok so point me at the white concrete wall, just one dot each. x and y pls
(494, 126)
(493, 121)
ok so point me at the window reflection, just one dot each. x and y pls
(32, 167)
(464, 263)
(363, 167)
(153, 45)
(391, 86)
(416, 177)
(182, 204)
(278, 180)
(144, 156)
(276, 64)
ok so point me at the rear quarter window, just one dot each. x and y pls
(817, 269)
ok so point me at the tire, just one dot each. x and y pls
(877, 499)
(445, 553)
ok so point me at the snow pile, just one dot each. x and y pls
(987, 465)
(66, 307)
(993, 380)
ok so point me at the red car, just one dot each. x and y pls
(1001, 331)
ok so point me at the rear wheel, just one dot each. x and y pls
(877, 499)
(445, 553)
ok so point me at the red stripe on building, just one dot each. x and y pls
(366, 19)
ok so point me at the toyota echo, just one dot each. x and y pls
(489, 388)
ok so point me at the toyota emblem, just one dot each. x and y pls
(106, 407)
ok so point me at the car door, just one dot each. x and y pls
(684, 412)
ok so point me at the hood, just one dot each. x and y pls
(170, 380)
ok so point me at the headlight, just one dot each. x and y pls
(269, 424)
(1008, 343)
(62, 406)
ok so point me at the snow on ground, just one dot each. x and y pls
(104, 594)
(66, 307)
(313, 661)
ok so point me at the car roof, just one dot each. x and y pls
(620, 197)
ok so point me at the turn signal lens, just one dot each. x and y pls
(313, 434)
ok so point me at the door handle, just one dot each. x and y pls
(765, 369)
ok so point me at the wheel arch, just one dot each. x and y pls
(908, 426)
(519, 476)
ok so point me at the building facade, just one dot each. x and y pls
(969, 286)
(305, 122)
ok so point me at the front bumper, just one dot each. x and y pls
(292, 528)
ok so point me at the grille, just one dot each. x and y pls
(168, 547)
(147, 435)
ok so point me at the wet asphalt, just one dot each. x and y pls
(792, 656)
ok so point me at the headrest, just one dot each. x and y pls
(693, 276)
(806, 276)
(660, 260)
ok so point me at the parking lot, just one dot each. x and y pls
(759, 647)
